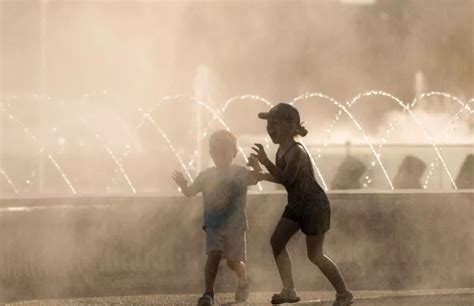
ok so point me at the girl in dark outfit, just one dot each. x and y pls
(308, 206)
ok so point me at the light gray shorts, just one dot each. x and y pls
(232, 244)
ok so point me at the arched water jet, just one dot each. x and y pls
(356, 123)
(202, 104)
(384, 138)
(148, 114)
(445, 95)
(406, 107)
(113, 157)
(435, 163)
(95, 133)
(464, 106)
(171, 146)
(42, 149)
(9, 181)
(117, 161)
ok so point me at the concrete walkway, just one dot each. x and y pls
(445, 297)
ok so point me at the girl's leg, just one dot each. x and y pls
(284, 230)
(314, 244)
(212, 265)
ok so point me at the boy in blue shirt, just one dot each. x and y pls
(224, 190)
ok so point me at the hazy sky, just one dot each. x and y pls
(277, 49)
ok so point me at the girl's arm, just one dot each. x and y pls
(294, 160)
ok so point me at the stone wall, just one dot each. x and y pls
(66, 247)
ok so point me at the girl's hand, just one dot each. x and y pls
(260, 153)
(178, 177)
(253, 163)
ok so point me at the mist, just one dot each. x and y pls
(102, 100)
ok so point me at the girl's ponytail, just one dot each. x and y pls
(301, 130)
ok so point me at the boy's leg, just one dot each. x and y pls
(214, 246)
(235, 251)
(239, 269)
(243, 289)
(212, 265)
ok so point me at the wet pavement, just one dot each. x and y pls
(445, 297)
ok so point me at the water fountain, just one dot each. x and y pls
(213, 119)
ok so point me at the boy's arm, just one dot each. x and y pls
(256, 176)
(267, 177)
(190, 190)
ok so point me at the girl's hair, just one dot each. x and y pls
(287, 112)
(301, 130)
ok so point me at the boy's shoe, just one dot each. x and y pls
(344, 299)
(242, 293)
(285, 296)
(206, 300)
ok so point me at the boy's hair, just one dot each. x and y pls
(223, 137)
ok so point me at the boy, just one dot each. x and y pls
(224, 190)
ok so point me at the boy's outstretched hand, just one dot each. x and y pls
(178, 177)
(260, 153)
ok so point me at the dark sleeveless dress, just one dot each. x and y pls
(308, 204)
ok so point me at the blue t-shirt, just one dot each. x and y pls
(224, 193)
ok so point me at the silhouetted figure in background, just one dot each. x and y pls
(348, 174)
(224, 190)
(409, 173)
(465, 179)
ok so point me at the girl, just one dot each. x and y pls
(308, 206)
